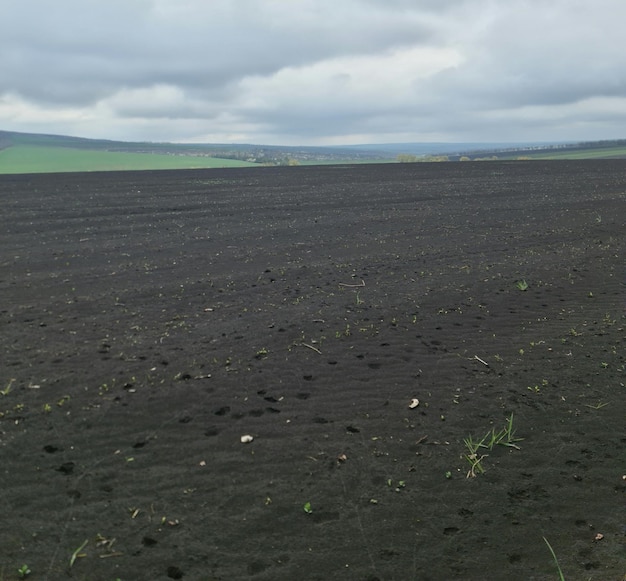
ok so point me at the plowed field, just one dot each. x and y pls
(149, 320)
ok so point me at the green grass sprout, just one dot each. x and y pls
(77, 553)
(556, 561)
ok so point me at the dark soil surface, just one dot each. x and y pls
(150, 320)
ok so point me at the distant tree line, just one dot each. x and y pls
(408, 158)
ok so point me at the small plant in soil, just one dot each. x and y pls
(473, 457)
(23, 572)
(63, 400)
(503, 437)
(556, 561)
(598, 406)
(344, 333)
(7, 389)
(521, 285)
(77, 554)
(307, 508)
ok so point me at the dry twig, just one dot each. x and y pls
(311, 347)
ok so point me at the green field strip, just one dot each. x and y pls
(609, 153)
(40, 159)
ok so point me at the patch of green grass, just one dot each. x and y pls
(591, 153)
(42, 159)
(504, 437)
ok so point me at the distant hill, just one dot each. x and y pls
(607, 149)
(35, 152)
(426, 149)
(34, 146)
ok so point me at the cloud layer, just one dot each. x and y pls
(315, 71)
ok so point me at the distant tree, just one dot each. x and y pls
(464, 158)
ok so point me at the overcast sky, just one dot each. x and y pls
(315, 71)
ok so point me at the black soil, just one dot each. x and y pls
(149, 320)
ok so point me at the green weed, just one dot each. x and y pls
(7, 389)
(63, 400)
(556, 561)
(598, 406)
(504, 437)
(77, 553)
(345, 333)
(473, 457)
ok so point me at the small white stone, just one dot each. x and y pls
(414, 403)
(246, 439)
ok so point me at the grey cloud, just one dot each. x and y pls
(541, 54)
(86, 53)
(167, 68)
